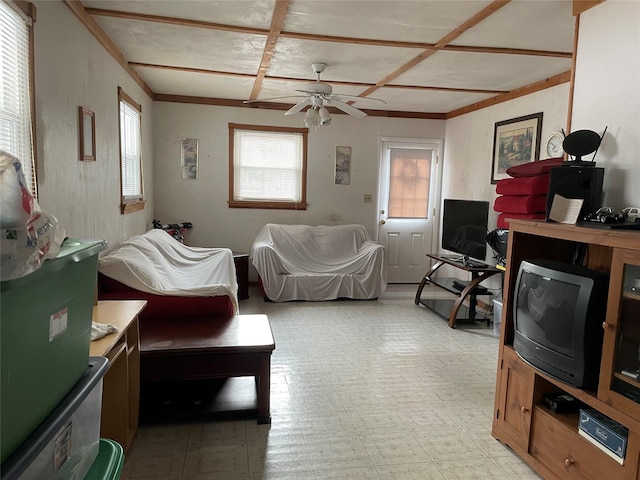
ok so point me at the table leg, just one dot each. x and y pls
(425, 279)
(263, 379)
(475, 281)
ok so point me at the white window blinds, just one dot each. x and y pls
(130, 158)
(15, 102)
(268, 166)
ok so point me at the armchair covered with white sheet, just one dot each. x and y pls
(175, 279)
(301, 262)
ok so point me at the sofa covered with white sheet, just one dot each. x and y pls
(302, 262)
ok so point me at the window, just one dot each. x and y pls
(130, 154)
(410, 178)
(16, 114)
(267, 167)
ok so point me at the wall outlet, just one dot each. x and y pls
(368, 198)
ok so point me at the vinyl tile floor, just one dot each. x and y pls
(366, 390)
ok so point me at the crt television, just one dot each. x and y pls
(558, 314)
(464, 227)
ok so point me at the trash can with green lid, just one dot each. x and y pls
(109, 462)
(45, 334)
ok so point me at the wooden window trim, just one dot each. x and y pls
(136, 204)
(302, 204)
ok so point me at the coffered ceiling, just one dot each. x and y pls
(424, 58)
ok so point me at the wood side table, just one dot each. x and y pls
(121, 383)
(241, 261)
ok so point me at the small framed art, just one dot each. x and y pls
(189, 158)
(87, 134)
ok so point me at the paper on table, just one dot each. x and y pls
(565, 210)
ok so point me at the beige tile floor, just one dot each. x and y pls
(361, 390)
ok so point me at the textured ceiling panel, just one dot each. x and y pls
(412, 21)
(178, 46)
(170, 82)
(483, 71)
(347, 62)
(426, 100)
(539, 25)
(245, 13)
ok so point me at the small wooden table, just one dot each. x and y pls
(121, 383)
(479, 272)
(176, 349)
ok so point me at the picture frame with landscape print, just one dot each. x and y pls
(343, 166)
(515, 142)
(189, 159)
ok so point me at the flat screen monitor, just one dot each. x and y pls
(464, 227)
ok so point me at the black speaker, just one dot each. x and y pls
(583, 182)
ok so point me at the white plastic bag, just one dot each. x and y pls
(27, 236)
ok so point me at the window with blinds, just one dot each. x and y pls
(130, 154)
(16, 134)
(268, 167)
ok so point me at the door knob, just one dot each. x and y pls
(382, 222)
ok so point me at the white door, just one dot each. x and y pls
(408, 194)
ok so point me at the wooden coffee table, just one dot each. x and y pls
(176, 349)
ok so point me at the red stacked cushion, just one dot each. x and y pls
(525, 194)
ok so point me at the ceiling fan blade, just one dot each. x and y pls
(298, 106)
(346, 108)
(359, 97)
(272, 98)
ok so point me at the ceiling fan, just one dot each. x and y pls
(318, 95)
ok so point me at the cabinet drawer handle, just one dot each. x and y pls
(606, 326)
(524, 409)
(568, 462)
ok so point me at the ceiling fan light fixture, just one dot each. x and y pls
(325, 118)
(311, 118)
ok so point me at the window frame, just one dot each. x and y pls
(276, 205)
(129, 205)
(28, 11)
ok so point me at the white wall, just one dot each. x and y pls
(204, 201)
(469, 142)
(607, 94)
(72, 69)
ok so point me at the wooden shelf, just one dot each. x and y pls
(627, 379)
(631, 295)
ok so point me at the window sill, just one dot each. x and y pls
(131, 207)
(268, 205)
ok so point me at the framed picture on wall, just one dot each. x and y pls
(343, 166)
(189, 159)
(515, 142)
(87, 134)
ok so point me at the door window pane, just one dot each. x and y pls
(410, 177)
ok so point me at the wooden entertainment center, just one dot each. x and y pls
(549, 442)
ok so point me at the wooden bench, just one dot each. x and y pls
(202, 348)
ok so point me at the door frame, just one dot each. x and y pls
(437, 191)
